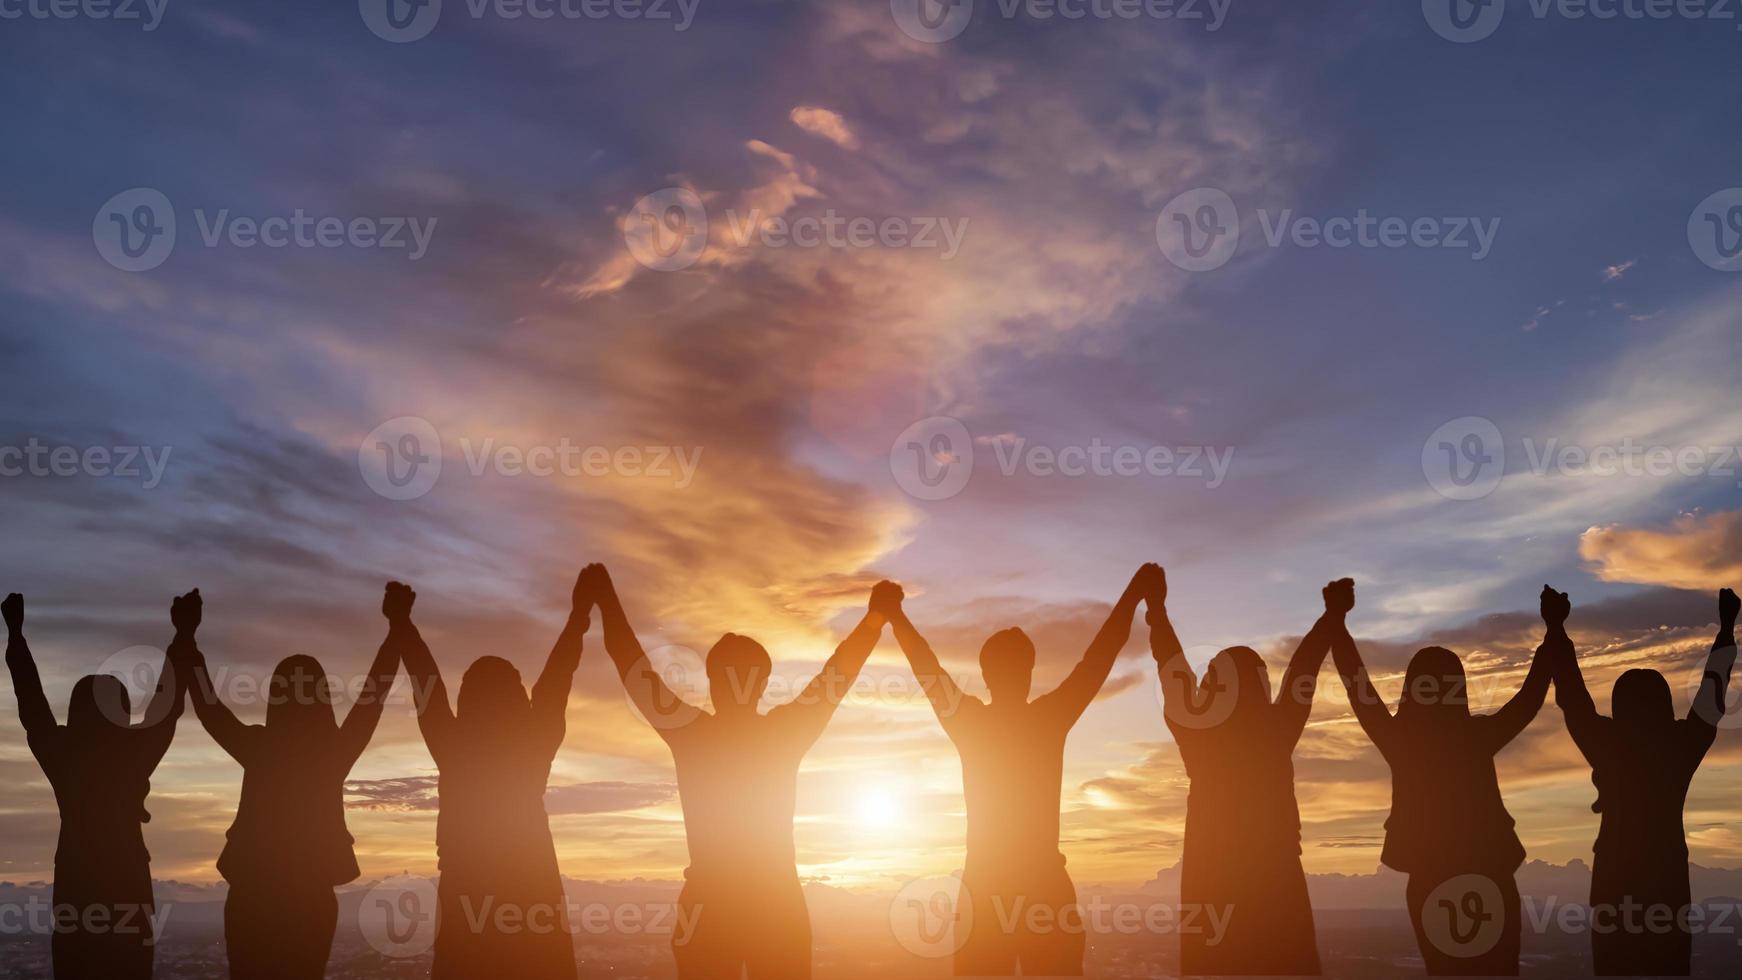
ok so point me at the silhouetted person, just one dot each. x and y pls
(502, 909)
(100, 765)
(1021, 905)
(288, 848)
(1449, 830)
(1642, 761)
(1242, 844)
(737, 778)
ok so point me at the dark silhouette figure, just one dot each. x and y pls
(737, 779)
(100, 765)
(289, 848)
(1242, 842)
(502, 909)
(1021, 907)
(1448, 829)
(1642, 762)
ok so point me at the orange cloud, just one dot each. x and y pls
(1699, 551)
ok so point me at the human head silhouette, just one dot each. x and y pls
(1236, 684)
(100, 705)
(1434, 685)
(300, 699)
(492, 698)
(738, 669)
(1007, 664)
(1642, 700)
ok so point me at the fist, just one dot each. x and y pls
(1339, 597)
(185, 611)
(886, 599)
(1555, 606)
(1728, 605)
(396, 603)
(13, 607)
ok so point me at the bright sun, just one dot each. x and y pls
(879, 808)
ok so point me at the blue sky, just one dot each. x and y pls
(1055, 145)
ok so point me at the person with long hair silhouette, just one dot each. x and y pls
(501, 906)
(1448, 829)
(1017, 903)
(1242, 840)
(288, 847)
(1642, 761)
(100, 764)
(737, 780)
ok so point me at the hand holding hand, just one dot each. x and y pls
(886, 599)
(1339, 597)
(1556, 607)
(396, 602)
(1728, 605)
(1151, 584)
(13, 607)
(185, 612)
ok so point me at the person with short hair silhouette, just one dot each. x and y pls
(1448, 829)
(502, 910)
(1643, 760)
(1021, 906)
(737, 780)
(1242, 840)
(100, 764)
(288, 848)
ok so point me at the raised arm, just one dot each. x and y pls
(809, 713)
(1071, 698)
(940, 688)
(550, 695)
(663, 708)
(1570, 693)
(1370, 710)
(1179, 683)
(1517, 713)
(153, 735)
(33, 710)
(1300, 681)
(1708, 706)
(435, 713)
(365, 714)
(234, 737)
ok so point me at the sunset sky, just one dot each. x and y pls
(786, 373)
